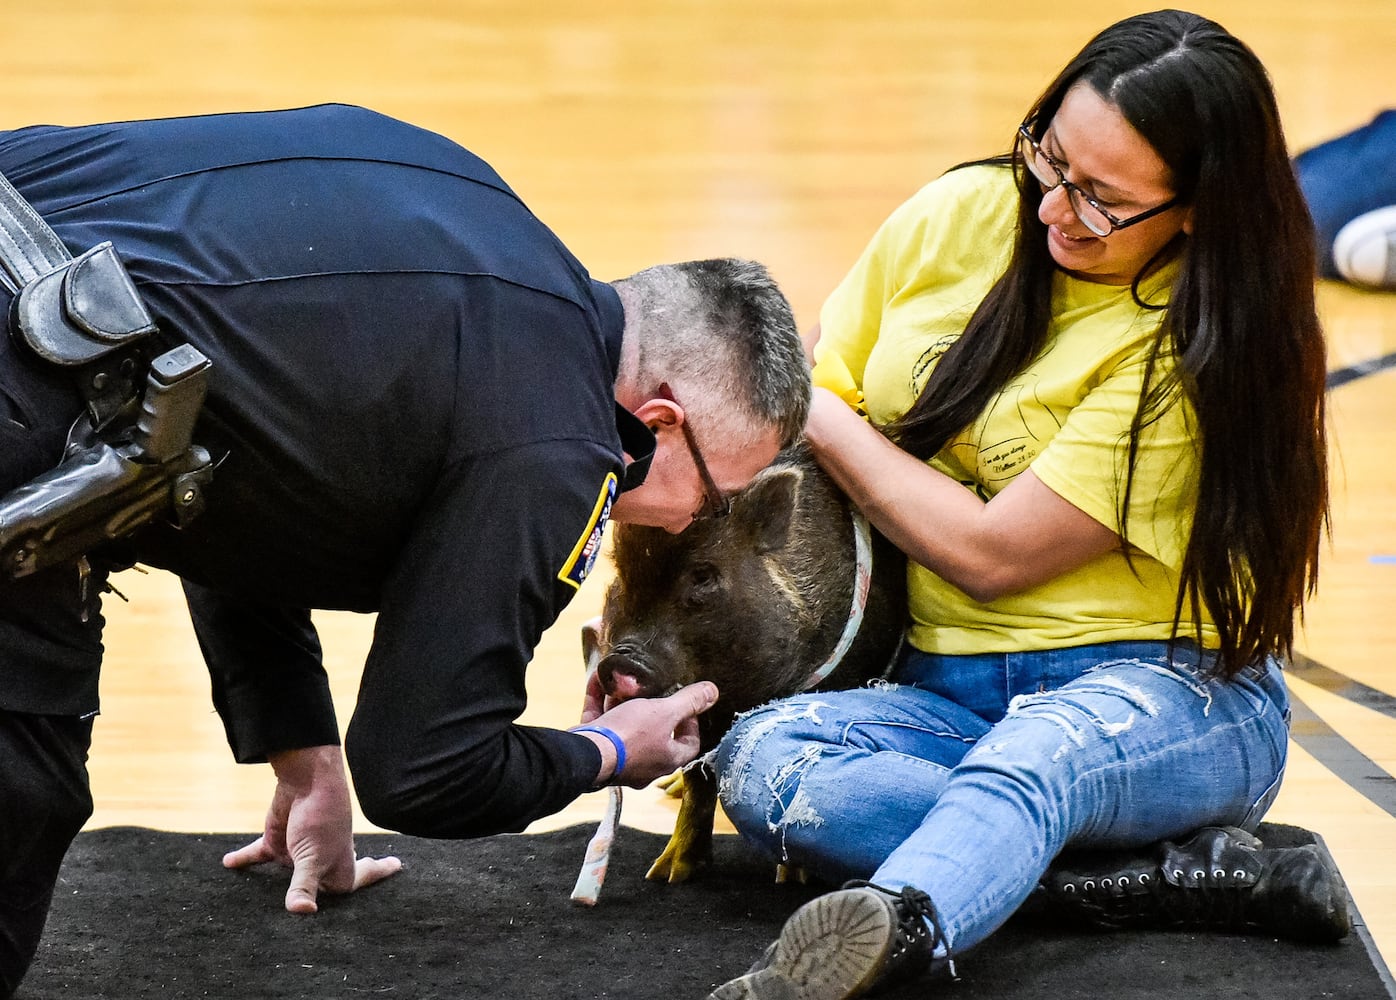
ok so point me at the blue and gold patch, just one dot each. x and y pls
(588, 547)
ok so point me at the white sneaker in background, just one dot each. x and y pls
(1364, 251)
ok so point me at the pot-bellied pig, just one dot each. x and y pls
(790, 592)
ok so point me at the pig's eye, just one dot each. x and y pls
(704, 581)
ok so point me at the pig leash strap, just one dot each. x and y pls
(587, 890)
(862, 584)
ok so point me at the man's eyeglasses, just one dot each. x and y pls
(714, 504)
(1087, 209)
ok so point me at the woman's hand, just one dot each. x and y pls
(1023, 537)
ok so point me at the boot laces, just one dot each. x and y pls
(919, 927)
(1210, 898)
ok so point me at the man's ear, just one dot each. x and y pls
(656, 413)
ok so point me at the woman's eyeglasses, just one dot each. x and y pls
(1087, 209)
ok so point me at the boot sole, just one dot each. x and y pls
(832, 948)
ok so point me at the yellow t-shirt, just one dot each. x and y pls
(1067, 417)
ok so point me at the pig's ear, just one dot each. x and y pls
(770, 506)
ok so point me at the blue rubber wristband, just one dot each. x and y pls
(616, 741)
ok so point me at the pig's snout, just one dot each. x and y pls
(625, 674)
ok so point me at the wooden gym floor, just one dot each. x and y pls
(784, 130)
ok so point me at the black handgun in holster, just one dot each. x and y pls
(104, 490)
(130, 457)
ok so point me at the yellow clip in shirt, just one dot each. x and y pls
(831, 372)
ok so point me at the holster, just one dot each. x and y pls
(135, 457)
(86, 315)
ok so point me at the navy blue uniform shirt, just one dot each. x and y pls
(412, 382)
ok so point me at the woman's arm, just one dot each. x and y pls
(1024, 536)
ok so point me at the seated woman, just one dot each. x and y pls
(1095, 383)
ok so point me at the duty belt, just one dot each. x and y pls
(130, 457)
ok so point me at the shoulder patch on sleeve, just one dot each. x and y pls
(588, 547)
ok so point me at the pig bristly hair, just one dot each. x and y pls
(755, 602)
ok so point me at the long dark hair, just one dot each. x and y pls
(1240, 320)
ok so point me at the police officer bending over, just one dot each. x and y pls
(415, 402)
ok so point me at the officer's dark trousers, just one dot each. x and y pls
(44, 801)
(50, 656)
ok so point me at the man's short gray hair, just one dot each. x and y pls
(723, 336)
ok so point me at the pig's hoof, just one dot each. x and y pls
(672, 784)
(668, 869)
(675, 866)
(786, 873)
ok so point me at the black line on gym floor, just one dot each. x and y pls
(1342, 376)
(1331, 749)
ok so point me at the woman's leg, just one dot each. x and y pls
(902, 785)
(1135, 750)
(835, 781)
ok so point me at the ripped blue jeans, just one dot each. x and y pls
(967, 775)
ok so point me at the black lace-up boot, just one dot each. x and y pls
(1222, 878)
(844, 944)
